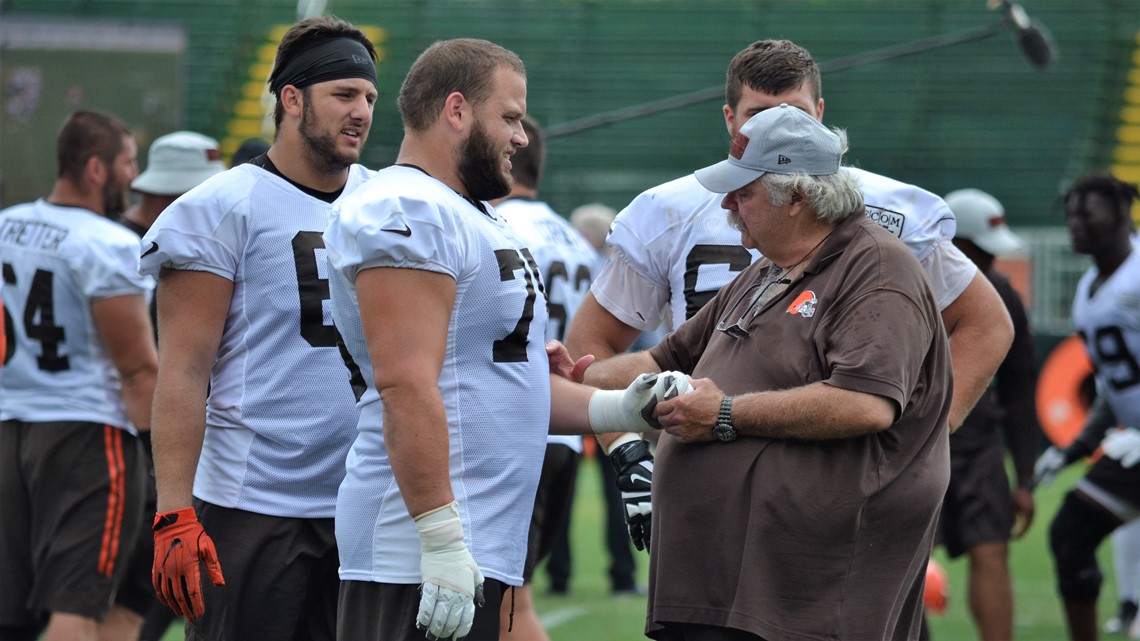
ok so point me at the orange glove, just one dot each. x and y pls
(180, 544)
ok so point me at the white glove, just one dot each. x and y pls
(1048, 465)
(1123, 445)
(631, 409)
(452, 583)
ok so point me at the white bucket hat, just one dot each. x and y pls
(178, 162)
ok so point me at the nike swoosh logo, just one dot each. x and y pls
(150, 250)
(406, 231)
(637, 478)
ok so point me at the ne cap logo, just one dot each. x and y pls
(739, 144)
(783, 160)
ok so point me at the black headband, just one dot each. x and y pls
(330, 60)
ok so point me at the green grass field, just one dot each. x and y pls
(590, 613)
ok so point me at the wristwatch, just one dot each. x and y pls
(723, 429)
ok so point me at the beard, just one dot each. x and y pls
(114, 198)
(480, 167)
(320, 148)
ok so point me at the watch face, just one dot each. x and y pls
(724, 433)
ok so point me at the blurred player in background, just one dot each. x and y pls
(242, 315)
(673, 247)
(593, 220)
(565, 260)
(77, 386)
(1098, 214)
(980, 512)
(176, 163)
(248, 150)
(1126, 571)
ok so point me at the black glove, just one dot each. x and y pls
(634, 465)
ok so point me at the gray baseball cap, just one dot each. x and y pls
(178, 162)
(780, 140)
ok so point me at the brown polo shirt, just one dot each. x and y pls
(798, 539)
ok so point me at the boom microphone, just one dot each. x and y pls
(1033, 38)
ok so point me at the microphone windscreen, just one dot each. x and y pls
(1037, 45)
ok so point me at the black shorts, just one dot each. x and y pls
(552, 503)
(387, 612)
(281, 577)
(978, 507)
(1123, 483)
(137, 590)
(71, 497)
(701, 632)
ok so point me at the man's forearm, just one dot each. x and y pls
(416, 437)
(594, 330)
(138, 395)
(617, 372)
(177, 430)
(1097, 423)
(814, 412)
(980, 333)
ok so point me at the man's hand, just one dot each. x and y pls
(1048, 465)
(631, 409)
(690, 418)
(1023, 510)
(1123, 445)
(562, 365)
(180, 544)
(634, 466)
(452, 583)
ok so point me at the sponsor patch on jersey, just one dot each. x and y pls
(804, 304)
(891, 221)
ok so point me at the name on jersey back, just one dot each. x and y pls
(32, 234)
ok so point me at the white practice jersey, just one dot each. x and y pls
(674, 249)
(565, 259)
(281, 412)
(56, 261)
(1109, 323)
(494, 383)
